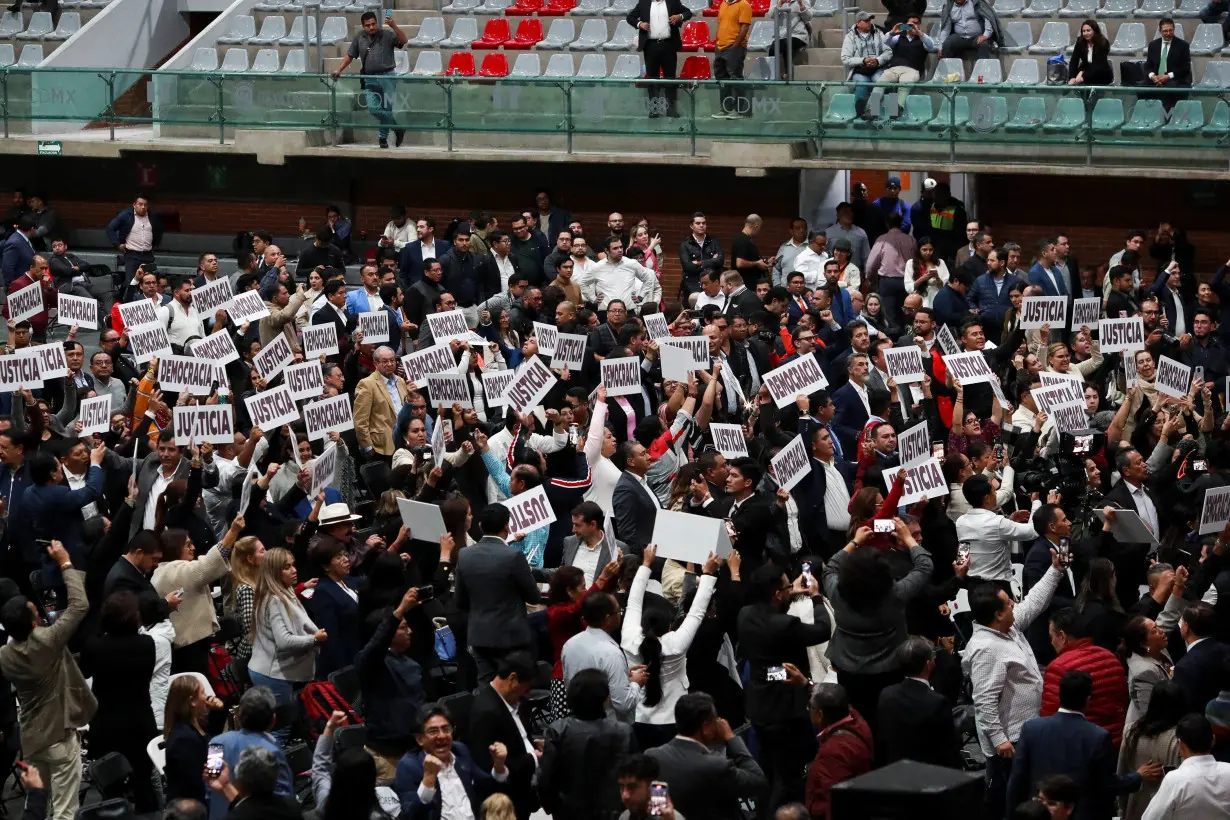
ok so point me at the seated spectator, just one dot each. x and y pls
(1107, 705)
(1090, 63)
(442, 765)
(846, 747)
(344, 785)
(910, 47)
(392, 686)
(254, 793)
(864, 54)
(968, 26)
(186, 740)
(256, 719)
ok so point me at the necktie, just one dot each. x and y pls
(1161, 62)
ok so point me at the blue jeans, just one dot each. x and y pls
(863, 88)
(283, 693)
(379, 96)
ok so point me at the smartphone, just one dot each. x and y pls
(776, 673)
(962, 551)
(1198, 373)
(884, 525)
(426, 593)
(658, 793)
(213, 759)
(937, 450)
(388, 14)
(1065, 550)
(731, 533)
(808, 578)
(179, 593)
(1199, 465)
(1000, 451)
(21, 764)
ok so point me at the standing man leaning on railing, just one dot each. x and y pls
(374, 49)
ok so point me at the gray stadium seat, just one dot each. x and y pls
(1068, 116)
(1147, 117)
(560, 65)
(527, 65)
(460, 7)
(1207, 40)
(990, 70)
(593, 67)
(592, 36)
(272, 30)
(1189, 8)
(70, 24)
(1108, 115)
(333, 5)
(1079, 8)
(204, 59)
(401, 61)
(1117, 8)
(560, 33)
(825, 8)
(1042, 8)
(360, 6)
(1216, 74)
(694, 6)
(268, 5)
(465, 31)
(334, 30)
(31, 56)
(988, 113)
(620, 8)
(935, 7)
(293, 6)
(294, 37)
(267, 61)
(7, 55)
(243, 28)
(431, 32)
(428, 64)
(1155, 8)
(1055, 38)
(761, 36)
(1024, 71)
(1018, 37)
(296, 62)
(1030, 115)
(1130, 39)
(493, 7)
(592, 7)
(235, 59)
(947, 66)
(11, 23)
(760, 69)
(40, 26)
(1009, 8)
(957, 116)
(1187, 117)
(628, 67)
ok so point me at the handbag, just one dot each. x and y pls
(1057, 71)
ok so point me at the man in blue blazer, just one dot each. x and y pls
(17, 253)
(410, 263)
(55, 511)
(1046, 273)
(991, 292)
(418, 783)
(852, 414)
(364, 299)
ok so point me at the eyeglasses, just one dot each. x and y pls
(807, 338)
(437, 731)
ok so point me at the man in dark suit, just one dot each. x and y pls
(498, 715)
(1121, 303)
(913, 721)
(1203, 671)
(423, 295)
(1168, 62)
(494, 583)
(334, 312)
(1045, 273)
(1174, 286)
(1052, 522)
(819, 536)
(17, 252)
(852, 415)
(740, 299)
(55, 511)
(658, 23)
(754, 515)
(493, 269)
(1131, 493)
(410, 262)
(587, 527)
(418, 785)
(1067, 743)
(636, 507)
(706, 783)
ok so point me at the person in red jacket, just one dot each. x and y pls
(39, 272)
(846, 748)
(1108, 703)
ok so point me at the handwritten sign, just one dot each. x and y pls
(214, 423)
(375, 327)
(217, 347)
(531, 510)
(1069, 416)
(324, 467)
(435, 359)
(569, 351)
(212, 297)
(622, 377)
(657, 326)
(51, 361)
(801, 377)
(247, 307)
(19, 373)
(95, 415)
(531, 383)
(969, 368)
(905, 364)
(332, 415)
(1173, 378)
(495, 382)
(791, 464)
(272, 408)
(1119, 335)
(140, 313)
(1085, 312)
(448, 325)
(26, 302)
(914, 445)
(179, 373)
(148, 342)
(321, 340)
(305, 381)
(547, 337)
(729, 440)
(1037, 311)
(273, 357)
(924, 480)
(447, 389)
(948, 344)
(76, 310)
(1216, 511)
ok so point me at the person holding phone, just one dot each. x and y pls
(187, 741)
(373, 47)
(910, 47)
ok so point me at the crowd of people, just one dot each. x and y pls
(1049, 616)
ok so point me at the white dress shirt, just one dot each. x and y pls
(990, 535)
(586, 560)
(1198, 789)
(861, 390)
(617, 280)
(836, 498)
(506, 270)
(525, 738)
(141, 237)
(186, 324)
(1144, 506)
(454, 801)
(703, 299)
(659, 21)
(649, 492)
(155, 492)
(76, 482)
(402, 236)
(811, 265)
(429, 250)
(374, 303)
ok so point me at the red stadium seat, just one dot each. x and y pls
(557, 8)
(696, 68)
(713, 9)
(494, 65)
(461, 64)
(695, 35)
(495, 34)
(529, 33)
(760, 7)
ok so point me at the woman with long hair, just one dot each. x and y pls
(873, 313)
(1152, 740)
(246, 560)
(285, 640)
(499, 330)
(344, 785)
(661, 644)
(1097, 606)
(651, 248)
(926, 273)
(681, 487)
(387, 520)
(1090, 63)
(564, 597)
(498, 807)
(185, 730)
(1144, 652)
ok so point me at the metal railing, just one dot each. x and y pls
(1037, 123)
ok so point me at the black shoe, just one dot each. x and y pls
(399, 135)
(16, 7)
(384, 142)
(673, 114)
(653, 115)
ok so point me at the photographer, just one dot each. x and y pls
(1054, 528)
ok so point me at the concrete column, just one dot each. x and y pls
(820, 191)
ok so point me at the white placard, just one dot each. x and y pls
(435, 359)
(1037, 311)
(914, 445)
(324, 466)
(375, 327)
(448, 325)
(676, 363)
(332, 415)
(218, 347)
(1173, 378)
(95, 415)
(948, 343)
(148, 342)
(689, 538)
(1086, 312)
(1128, 527)
(320, 340)
(905, 364)
(657, 326)
(447, 389)
(51, 361)
(1047, 398)
(26, 302)
(969, 368)
(791, 464)
(546, 336)
(76, 310)
(438, 444)
(1129, 373)
(924, 480)
(179, 373)
(1119, 335)
(140, 313)
(531, 510)
(246, 494)
(495, 382)
(532, 381)
(209, 298)
(802, 377)
(273, 357)
(1216, 511)
(696, 346)
(1069, 416)
(305, 380)
(214, 423)
(247, 307)
(19, 373)
(622, 377)
(729, 440)
(423, 521)
(1073, 385)
(569, 351)
(272, 408)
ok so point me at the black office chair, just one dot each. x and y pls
(346, 682)
(539, 698)
(348, 737)
(459, 706)
(110, 774)
(117, 809)
(376, 476)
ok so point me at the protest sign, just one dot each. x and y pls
(435, 359)
(51, 361)
(969, 368)
(246, 494)
(320, 340)
(1173, 378)
(547, 336)
(271, 408)
(1072, 385)
(19, 373)
(791, 464)
(217, 347)
(448, 325)
(305, 381)
(199, 423)
(332, 415)
(801, 377)
(905, 364)
(273, 357)
(495, 383)
(1047, 398)
(1086, 312)
(148, 342)
(375, 327)
(657, 326)
(914, 445)
(622, 377)
(530, 384)
(179, 373)
(1119, 335)
(1216, 511)
(676, 363)
(247, 307)
(689, 538)
(530, 510)
(569, 351)
(1037, 311)
(729, 439)
(447, 389)
(95, 415)
(948, 343)
(423, 521)
(1069, 416)
(140, 313)
(1129, 373)
(75, 310)
(211, 297)
(438, 444)
(923, 480)
(26, 302)
(324, 466)
(696, 346)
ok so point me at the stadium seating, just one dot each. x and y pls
(987, 71)
(527, 65)
(243, 29)
(205, 59)
(7, 55)
(431, 32)
(529, 34)
(1030, 115)
(593, 67)
(1024, 71)
(465, 31)
(31, 56)
(495, 34)
(235, 60)
(40, 26)
(1069, 115)
(1147, 117)
(1056, 38)
(951, 115)
(916, 113)
(560, 65)
(1207, 40)
(628, 67)
(1187, 117)
(1018, 37)
(70, 24)
(1130, 39)
(272, 30)
(428, 64)
(494, 65)
(592, 36)
(623, 39)
(696, 68)
(559, 35)
(695, 36)
(267, 61)
(1107, 115)
(461, 64)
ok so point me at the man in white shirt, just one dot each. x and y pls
(810, 261)
(186, 320)
(587, 549)
(710, 291)
(135, 234)
(1134, 242)
(400, 231)
(442, 774)
(990, 534)
(1200, 787)
(582, 264)
(76, 466)
(615, 278)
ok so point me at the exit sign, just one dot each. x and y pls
(50, 149)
